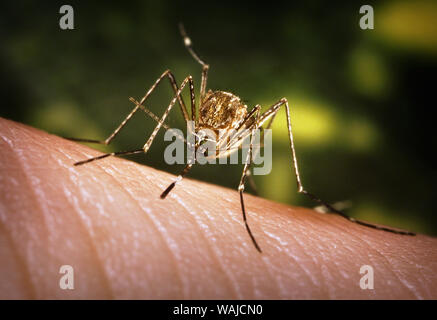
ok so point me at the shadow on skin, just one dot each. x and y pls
(107, 221)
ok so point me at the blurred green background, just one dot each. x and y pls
(361, 100)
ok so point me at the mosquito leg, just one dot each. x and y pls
(189, 80)
(119, 153)
(179, 178)
(175, 88)
(205, 67)
(233, 141)
(147, 111)
(159, 125)
(108, 140)
(85, 140)
(251, 181)
(244, 123)
(340, 205)
(156, 118)
(166, 73)
(242, 181)
(271, 112)
(249, 172)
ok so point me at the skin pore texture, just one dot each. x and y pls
(106, 220)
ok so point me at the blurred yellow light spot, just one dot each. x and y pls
(360, 135)
(312, 123)
(368, 73)
(318, 124)
(409, 24)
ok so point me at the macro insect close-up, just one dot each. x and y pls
(218, 151)
(218, 110)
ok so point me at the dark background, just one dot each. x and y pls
(361, 100)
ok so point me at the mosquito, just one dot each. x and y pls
(219, 110)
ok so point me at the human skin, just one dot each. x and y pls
(107, 221)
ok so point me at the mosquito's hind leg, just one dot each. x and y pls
(139, 105)
(271, 113)
(158, 126)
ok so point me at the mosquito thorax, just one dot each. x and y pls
(221, 110)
